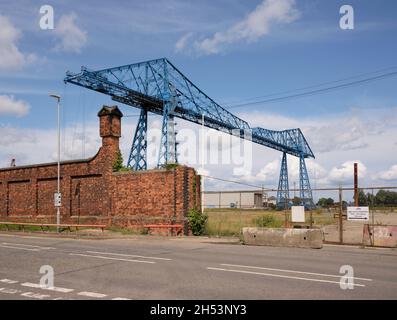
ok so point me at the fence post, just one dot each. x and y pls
(340, 216)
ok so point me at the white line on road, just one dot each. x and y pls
(35, 295)
(279, 276)
(92, 294)
(9, 291)
(36, 285)
(293, 271)
(19, 248)
(8, 281)
(26, 245)
(129, 255)
(109, 258)
(120, 299)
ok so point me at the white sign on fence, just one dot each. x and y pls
(298, 214)
(358, 213)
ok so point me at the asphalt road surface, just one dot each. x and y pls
(189, 268)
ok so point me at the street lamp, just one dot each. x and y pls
(57, 197)
(202, 161)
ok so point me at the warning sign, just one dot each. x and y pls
(358, 213)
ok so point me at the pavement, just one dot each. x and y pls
(146, 267)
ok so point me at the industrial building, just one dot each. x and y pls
(238, 199)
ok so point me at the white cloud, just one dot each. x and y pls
(10, 56)
(343, 132)
(72, 38)
(11, 106)
(182, 42)
(254, 26)
(346, 171)
(390, 174)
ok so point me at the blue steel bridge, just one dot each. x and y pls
(157, 86)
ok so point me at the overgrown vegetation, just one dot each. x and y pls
(197, 222)
(229, 222)
(118, 164)
(268, 221)
(171, 166)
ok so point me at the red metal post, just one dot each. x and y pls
(356, 184)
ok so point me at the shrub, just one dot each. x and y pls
(197, 222)
(118, 164)
(171, 166)
(267, 221)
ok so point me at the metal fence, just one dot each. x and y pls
(379, 230)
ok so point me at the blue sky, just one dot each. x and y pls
(229, 56)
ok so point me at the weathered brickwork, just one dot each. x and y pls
(93, 193)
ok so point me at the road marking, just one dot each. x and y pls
(8, 281)
(109, 258)
(294, 271)
(36, 285)
(92, 294)
(121, 299)
(129, 255)
(19, 248)
(35, 295)
(26, 245)
(279, 276)
(9, 291)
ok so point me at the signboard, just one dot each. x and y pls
(57, 199)
(358, 213)
(298, 214)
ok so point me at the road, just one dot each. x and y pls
(188, 268)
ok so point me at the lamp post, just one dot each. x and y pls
(202, 162)
(57, 198)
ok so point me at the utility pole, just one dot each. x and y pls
(58, 196)
(356, 184)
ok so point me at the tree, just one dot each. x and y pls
(296, 201)
(322, 202)
(386, 198)
(325, 202)
(371, 199)
(362, 198)
(330, 202)
(118, 163)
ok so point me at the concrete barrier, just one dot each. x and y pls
(284, 237)
(380, 236)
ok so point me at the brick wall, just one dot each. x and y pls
(93, 193)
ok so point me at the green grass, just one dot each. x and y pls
(37, 228)
(128, 231)
(26, 228)
(229, 222)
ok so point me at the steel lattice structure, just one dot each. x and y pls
(157, 86)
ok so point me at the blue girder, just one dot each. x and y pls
(157, 86)
(152, 84)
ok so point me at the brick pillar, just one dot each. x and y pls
(110, 131)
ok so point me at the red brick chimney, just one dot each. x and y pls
(110, 129)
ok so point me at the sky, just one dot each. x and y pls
(236, 52)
